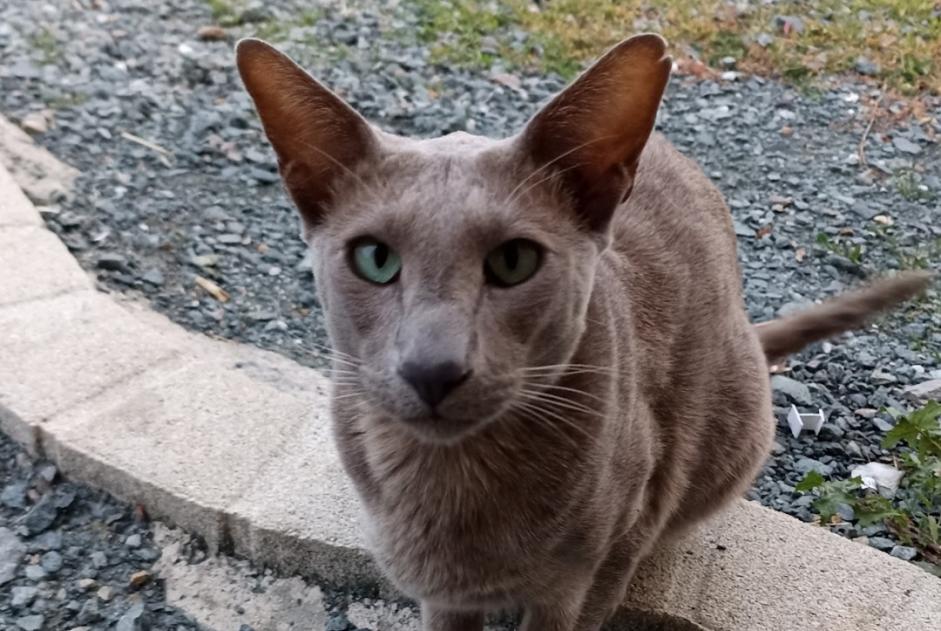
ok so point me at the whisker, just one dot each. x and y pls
(548, 164)
(552, 414)
(533, 185)
(561, 402)
(536, 414)
(573, 391)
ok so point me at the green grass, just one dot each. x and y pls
(903, 37)
(45, 42)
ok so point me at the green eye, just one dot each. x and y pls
(375, 261)
(513, 263)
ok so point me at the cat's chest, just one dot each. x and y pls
(478, 526)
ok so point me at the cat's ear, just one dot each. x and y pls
(317, 137)
(593, 132)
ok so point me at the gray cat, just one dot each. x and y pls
(543, 366)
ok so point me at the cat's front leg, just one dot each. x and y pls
(438, 619)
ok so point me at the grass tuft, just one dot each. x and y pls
(896, 41)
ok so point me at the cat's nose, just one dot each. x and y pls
(433, 381)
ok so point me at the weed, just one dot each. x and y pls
(902, 38)
(908, 184)
(914, 514)
(45, 42)
(853, 252)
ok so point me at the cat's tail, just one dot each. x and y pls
(852, 310)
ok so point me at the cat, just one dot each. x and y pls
(542, 361)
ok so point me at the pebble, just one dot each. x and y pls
(904, 552)
(792, 390)
(806, 465)
(35, 573)
(30, 623)
(12, 550)
(51, 562)
(881, 543)
(23, 596)
(133, 541)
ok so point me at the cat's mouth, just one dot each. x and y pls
(436, 427)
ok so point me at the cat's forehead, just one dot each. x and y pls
(456, 144)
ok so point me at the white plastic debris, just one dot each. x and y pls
(879, 477)
(799, 422)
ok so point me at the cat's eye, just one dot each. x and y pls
(512, 263)
(375, 261)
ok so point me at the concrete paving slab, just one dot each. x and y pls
(15, 208)
(34, 264)
(44, 178)
(189, 439)
(753, 568)
(302, 513)
(61, 351)
(222, 594)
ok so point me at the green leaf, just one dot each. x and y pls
(812, 480)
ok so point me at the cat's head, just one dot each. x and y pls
(455, 273)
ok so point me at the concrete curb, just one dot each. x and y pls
(233, 444)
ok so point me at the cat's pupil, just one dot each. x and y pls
(380, 254)
(511, 255)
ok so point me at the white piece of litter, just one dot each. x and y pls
(799, 422)
(879, 477)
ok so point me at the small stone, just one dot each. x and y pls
(881, 424)
(153, 276)
(134, 541)
(263, 176)
(51, 562)
(866, 412)
(229, 239)
(133, 619)
(764, 40)
(106, 593)
(881, 543)
(47, 472)
(906, 146)
(35, 123)
(89, 612)
(14, 495)
(924, 392)
(788, 24)
(806, 465)
(262, 316)
(853, 449)
(35, 573)
(98, 559)
(792, 390)
(508, 80)
(41, 516)
(30, 623)
(904, 552)
(881, 378)
(112, 262)
(866, 66)
(141, 578)
(211, 33)
(23, 596)
(86, 584)
(846, 512)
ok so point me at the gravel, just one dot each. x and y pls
(71, 568)
(178, 185)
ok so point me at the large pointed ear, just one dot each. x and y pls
(592, 134)
(317, 137)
